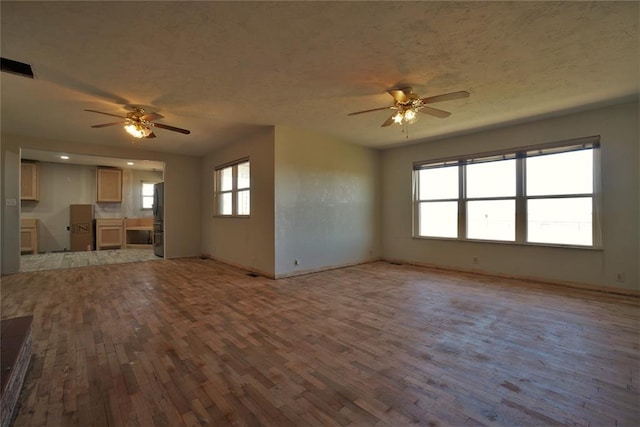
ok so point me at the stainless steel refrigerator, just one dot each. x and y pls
(158, 219)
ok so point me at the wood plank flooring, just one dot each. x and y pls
(194, 342)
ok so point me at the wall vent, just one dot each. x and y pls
(15, 67)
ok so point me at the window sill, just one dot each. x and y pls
(500, 242)
(232, 216)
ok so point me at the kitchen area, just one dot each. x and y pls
(76, 203)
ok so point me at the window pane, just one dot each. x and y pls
(226, 206)
(244, 201)
(438, 183)
(563, 221)
(438, 219)
(147, 202)
(243, 175)
(147, 189)
(492, 179)
(491, 220)
(563, 173)
(226, 178)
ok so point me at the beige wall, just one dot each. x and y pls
(313, 199)
(618, 127)
(244, 242)
(182, 194)
(327, 202)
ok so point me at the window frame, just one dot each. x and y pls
(520, 154)
(234, 191)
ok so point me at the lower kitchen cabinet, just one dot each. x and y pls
(109, 233)
(29, 236)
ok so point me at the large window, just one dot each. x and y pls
(545, 194)
(233, 189)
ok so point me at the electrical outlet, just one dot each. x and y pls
(620, 277)
(296, 262)
(476, 260)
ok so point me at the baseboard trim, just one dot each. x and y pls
(327, 268)
(257, 271)
(566, 284)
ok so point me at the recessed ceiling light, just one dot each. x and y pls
(130, 163)
(64, 157)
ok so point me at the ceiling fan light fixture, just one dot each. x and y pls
(410, 116)
(137, 129)
(409, 104)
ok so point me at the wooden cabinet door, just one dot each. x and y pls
(29, 236)
(109, 182)
(29, 181)
(109, 233)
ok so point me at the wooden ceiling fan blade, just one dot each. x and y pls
(400, 95)
(446, 97)
(106, 114)
(441, 114)
(369, 111)
(104, 125)
(173, 128)
(152, 116)
(388, 122)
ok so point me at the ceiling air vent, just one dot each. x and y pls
(15, 67)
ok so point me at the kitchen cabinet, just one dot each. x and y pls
(29, 236)
(29, 181)
(109, 233)
(109, 183)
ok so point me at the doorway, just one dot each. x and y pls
(66, 179)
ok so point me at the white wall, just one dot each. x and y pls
(618, 127)
(182, 194)
(63, 184)
(327, 200)
(244, 242)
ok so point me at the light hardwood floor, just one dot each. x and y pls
(195, 342)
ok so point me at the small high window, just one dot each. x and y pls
(147, 195)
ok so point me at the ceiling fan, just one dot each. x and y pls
(138, 124)
(407, 104)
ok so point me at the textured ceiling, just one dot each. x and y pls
(222, 69)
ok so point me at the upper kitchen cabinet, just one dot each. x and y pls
(29, 181)
(109, 182)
